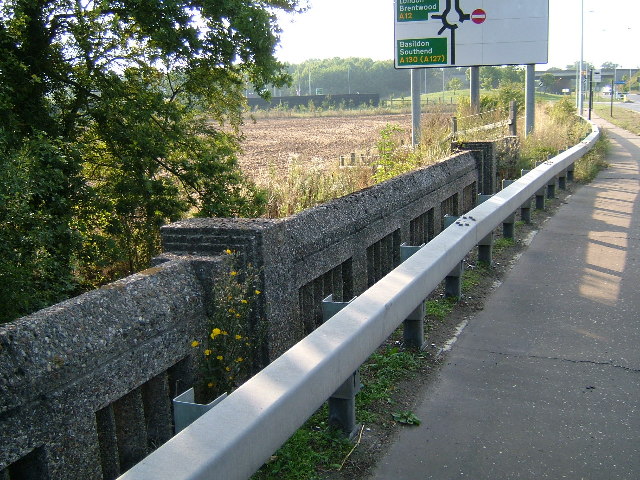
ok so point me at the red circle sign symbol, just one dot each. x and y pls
(478, 16)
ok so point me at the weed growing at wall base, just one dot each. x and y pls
(233, 338)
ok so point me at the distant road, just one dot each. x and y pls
(635, 106)
(632, 103)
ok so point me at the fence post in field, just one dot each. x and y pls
(513, 112)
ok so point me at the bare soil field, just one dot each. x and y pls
(271, 144)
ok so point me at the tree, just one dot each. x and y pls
(547, 80)
(116, 116)
(455, 84)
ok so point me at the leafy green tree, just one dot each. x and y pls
(117, 116)
(455, 84)
(547, 81)
(609, 65)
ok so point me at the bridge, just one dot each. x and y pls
(87, 384)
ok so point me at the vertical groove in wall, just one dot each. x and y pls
(383, 256)
(347, 280)
(108, 443)
(448, 206)
(337, 282)
(469, 195)
(33, 466)
(130, 429)
(157, 410)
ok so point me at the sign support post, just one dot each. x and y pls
(474, 89)
(530, 100)
(415, 107)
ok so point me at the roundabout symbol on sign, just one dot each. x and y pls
(478, 16)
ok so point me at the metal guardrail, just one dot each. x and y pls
(235, 438)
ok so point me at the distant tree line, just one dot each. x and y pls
(338, 76)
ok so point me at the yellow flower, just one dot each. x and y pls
(224, 332)
(210, 384)
(227, 369)
(230, 297)
(233, 273)
(215, 332)
(220, 357)
(239, 359)
(238, 337)
(243, 301)
(207, 352)
(228, 252)
(231, 310)
(195, 343)
(258, 292)
(238, 315)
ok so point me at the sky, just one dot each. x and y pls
(365, 28)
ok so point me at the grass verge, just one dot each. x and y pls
(622, 117)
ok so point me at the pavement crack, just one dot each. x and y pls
(569, 360)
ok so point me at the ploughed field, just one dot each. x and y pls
(272, 144)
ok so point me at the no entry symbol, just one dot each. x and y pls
(478, 16)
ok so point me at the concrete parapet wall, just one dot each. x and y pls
(67, 367)
(86, 385)
(339, 247)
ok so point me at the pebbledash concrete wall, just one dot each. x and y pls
(86, 385)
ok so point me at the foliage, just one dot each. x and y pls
(316, 446)
(38, 184)
(392, 158)
(305, 185)
(439, 308)
(233, 339)
(118, 116)
(406, 417)
(313, 447)
(622, 117)
(588, 166)
(455, 84)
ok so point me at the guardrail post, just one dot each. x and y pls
(540, 194)
(570, 173)
(413, 325)
(508, 225)
(525, 211)
(551, 186)
(562, 180)
(453, 281)
(485, 246)
(342, 404)
(186, 410)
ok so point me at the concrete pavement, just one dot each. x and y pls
(544, 383)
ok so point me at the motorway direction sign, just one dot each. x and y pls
(436, 33)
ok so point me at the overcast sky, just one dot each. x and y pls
(365, 28)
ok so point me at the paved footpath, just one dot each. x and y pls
(544, 383)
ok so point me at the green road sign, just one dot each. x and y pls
(415, 10)
(416, 52)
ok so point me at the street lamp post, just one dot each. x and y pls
(581, 66)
